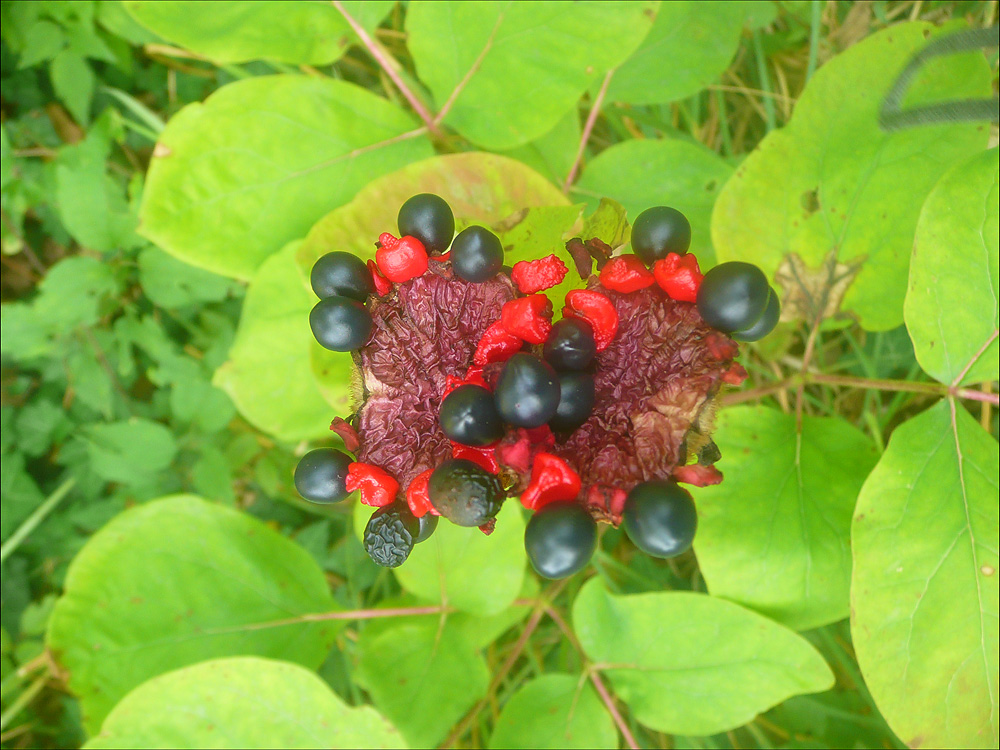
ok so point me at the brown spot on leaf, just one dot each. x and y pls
(810, 201)
(988, 570)
(809, 292)
(161, 150)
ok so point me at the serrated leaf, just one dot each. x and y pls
(924, 592)
(775, 535)
(241, 702)
(689, 46)
(522, 66)
(463, 567)
(435, 676)
(129, 451)
(554, 711)
(688, 663)
(640, 174)
(294, 32)
(235, 178)
(268, 375)
(73, 82)
(833, 181)
(178, 581)
(956, 256)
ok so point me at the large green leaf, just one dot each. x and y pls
(178, 581)
(241, 702)
(688, 663)
(254, 166)
(924, 592)
(290, 31)
(554, 711)
(833, 181)
(463, 567)
(422, 676)
(521, 66)
(644, 173)
(956, 256)
(268, 375)
(689, 46)
(775, 535)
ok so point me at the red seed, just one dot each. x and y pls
(552, 480)
(401, 260)
(496, 345)
(679, 276)
(417, 496)
(597, 310)
(529, 318)
(376, 486)
(626, 273)
(532, 276)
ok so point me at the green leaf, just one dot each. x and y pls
(924, 592)
(170, 283)
(463, 567)
(423, 677)
(178, 581)
(552, 154)
(554, 711)
(42, 41)
(235, 178)
(688, 663)
(291, 32)
(268, 375)
(73, 82)
(241, 702)
(129, 451)
(20, 493)
(956, 256)
(775, 536)
(644, 173)
(521, 66)
(689, 46)
(833, 181)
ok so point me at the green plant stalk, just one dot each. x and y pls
(23, 700)
(32, 521)
(816, 9)
(765, 80)
(727, 137)
(137, 108)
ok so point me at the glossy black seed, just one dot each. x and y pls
(428, 523)
(560, 539)
(427, 217)
(658, 231)
(476, 254)
(576, 401)
(340, 324)
(469, 416)
(321, 475)
(465, 493)
(766, 323)
(660, 518)
(527, 391)
(570, 345)
(390, 535)
(732, 296)
(342, 274)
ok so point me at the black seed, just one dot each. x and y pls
(340, 324)
(527, 392)
(469, 416)
(576, 401)
(733, 296)
(658, 231)
(429, 218)
(390, 535)
(660, 518)
(570, 345)
(321, 475)
(476, 254)
(766, 323)
(342, 274)
(464, 492)
(428, 523)
(560, 539)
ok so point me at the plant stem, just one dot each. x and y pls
(23, 700)
(609, 703)
(32, 521)
(814, 27)
(765, 80)
(385, 61)
(588, 126)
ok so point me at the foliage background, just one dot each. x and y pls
(169, 172)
